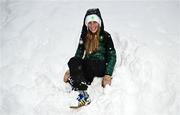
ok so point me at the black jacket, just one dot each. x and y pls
(106, 49)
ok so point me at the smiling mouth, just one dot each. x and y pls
(94, 29)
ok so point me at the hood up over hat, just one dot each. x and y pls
(92, 15)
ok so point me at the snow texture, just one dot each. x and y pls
(37, 38)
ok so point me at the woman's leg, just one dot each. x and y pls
(93, 68)
(77, 79)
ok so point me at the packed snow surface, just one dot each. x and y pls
(37, 38)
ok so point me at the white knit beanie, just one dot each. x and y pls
(92, 17)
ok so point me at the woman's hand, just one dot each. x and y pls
(66, 76)
(106, 80)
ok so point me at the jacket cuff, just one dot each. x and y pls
(108, 73)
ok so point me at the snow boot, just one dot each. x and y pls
(82, 100)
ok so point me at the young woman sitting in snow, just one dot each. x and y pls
(95, 57)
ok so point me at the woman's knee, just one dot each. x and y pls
(74, 62)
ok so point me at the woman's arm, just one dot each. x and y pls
(110, 55)
(80, 50)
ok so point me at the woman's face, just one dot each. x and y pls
(93, 26)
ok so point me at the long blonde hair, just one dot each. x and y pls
(92, 41)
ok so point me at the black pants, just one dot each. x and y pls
(83, 71)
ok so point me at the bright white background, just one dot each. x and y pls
(37, 38)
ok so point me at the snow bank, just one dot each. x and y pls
(38, 38)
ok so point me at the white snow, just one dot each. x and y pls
(37, 38)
